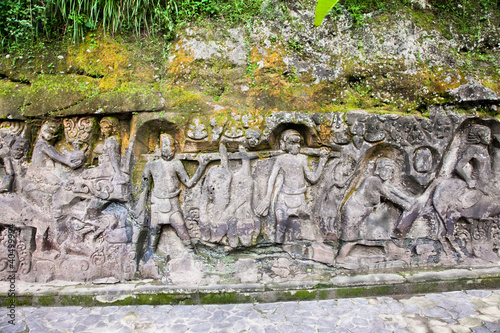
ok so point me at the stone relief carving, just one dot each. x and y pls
(350, 191)
(166, 174)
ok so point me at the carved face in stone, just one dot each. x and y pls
(109, 126)
(374, 130)
(167, 147)
(252, 136)
(485, 135)
(20, 148)
(384, 168)
(290, 141)
(422, 160)
(443, 127)
(49, 130)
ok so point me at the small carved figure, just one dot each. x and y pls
(291, 201)
(166, 173)
(374, 130)
(364, 201)
(14, 164)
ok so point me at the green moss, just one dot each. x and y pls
(49, 93)
(305, 295)
(46, 300)
(67, 300)
(222, 298)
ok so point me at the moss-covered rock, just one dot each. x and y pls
(12, 99)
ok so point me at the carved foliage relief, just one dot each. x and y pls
(242, 199)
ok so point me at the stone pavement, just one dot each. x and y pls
(459, 311)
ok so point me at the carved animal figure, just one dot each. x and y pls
(475, 194)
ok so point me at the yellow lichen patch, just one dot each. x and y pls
(183, 99)
(101, 57)
(180, 61)
(268, 59)
(492, 84)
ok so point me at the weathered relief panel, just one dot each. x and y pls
(238, 199)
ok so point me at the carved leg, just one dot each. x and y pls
(156, 234)
(232, 236)
(281, 224)
(177, 222)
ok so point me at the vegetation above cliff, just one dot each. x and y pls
(24, 22)
(201, 56)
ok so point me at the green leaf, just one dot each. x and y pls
(322, 8)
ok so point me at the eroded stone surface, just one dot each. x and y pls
(381, 314)
(310, 196)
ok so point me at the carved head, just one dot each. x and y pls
(167, 145)
(253, 137)
(384, 168)
(49, 130)
(443, 127)
(374, 130)
(290, 141)
(20, 148)
(422, 160)
(109, 126)
(479, 134)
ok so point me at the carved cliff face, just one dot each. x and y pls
(420, 196)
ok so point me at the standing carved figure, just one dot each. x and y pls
(291, 200)
(166, 173)
(243, 227)
(364, 201)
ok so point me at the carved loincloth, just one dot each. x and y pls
(292, 201)
(162, 208)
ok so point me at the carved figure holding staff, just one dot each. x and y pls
(166, 172)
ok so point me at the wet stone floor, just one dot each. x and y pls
(460, 311)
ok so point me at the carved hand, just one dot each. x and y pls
(324, 153)
(203, 160)
(263, 208)
(76, 158)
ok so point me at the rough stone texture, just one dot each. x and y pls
(401, 61)
(110, 198)
(256, 154)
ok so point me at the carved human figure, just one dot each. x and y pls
(215, 196)
(43, 176)
(474, 194)
(13, 150)
(15, 165)
(294, 167)
(166, 173)
(364, 201)
(110, 172)
(242, 224)
(339, 174)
